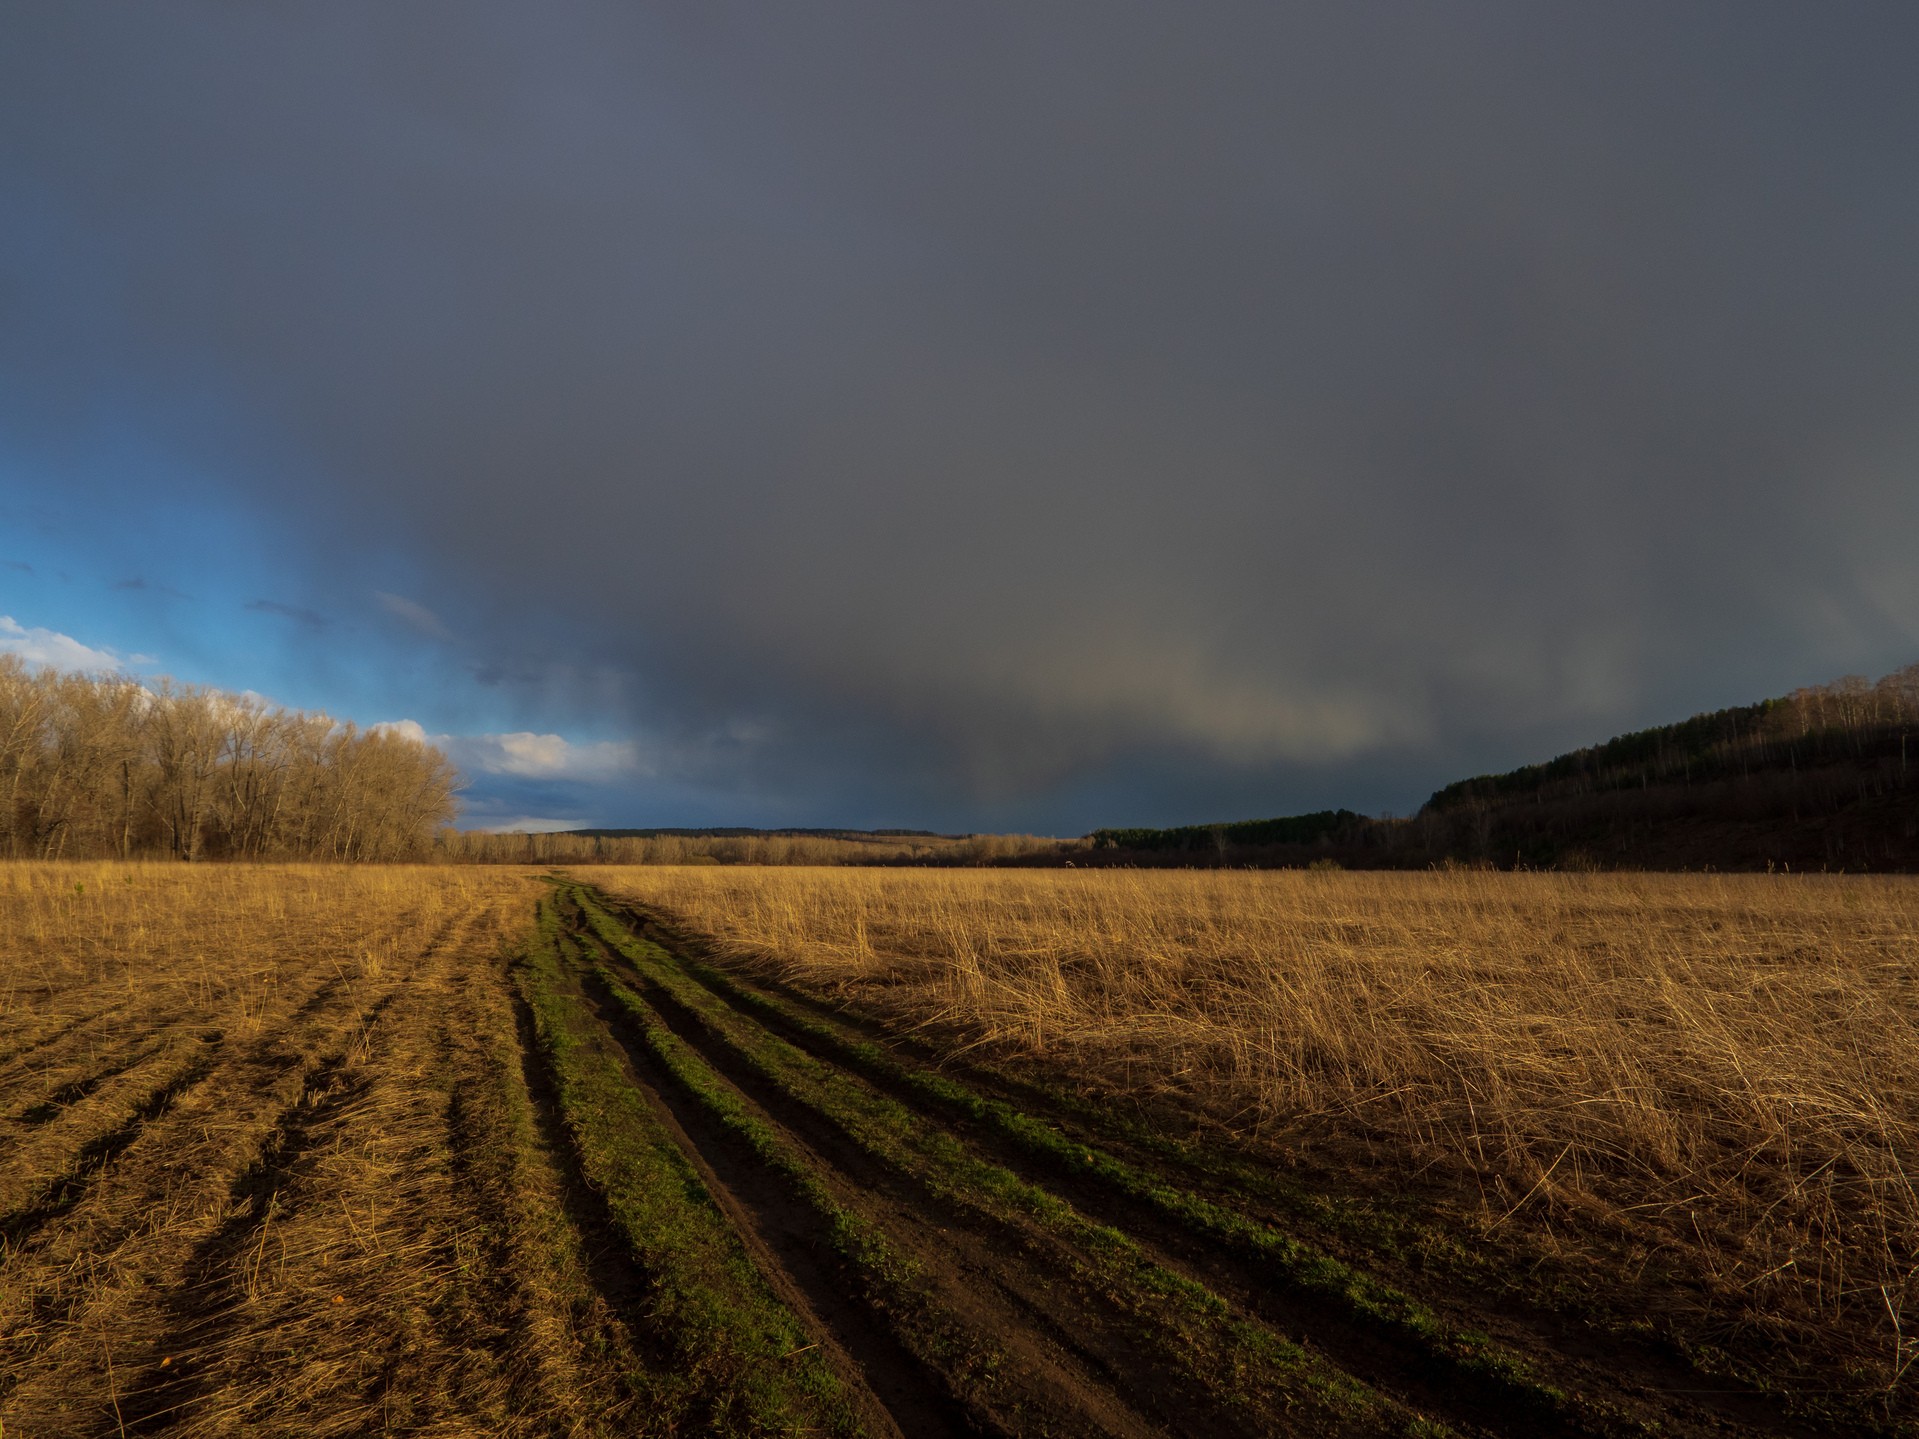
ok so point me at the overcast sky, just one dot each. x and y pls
(974, 417)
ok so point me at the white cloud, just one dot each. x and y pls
(50, 647)
(409, 729)
(414, 615)
(525, 755)
(532, 755)
(546, 756)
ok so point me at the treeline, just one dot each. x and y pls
(1825, 724)
(1824, 778)
(1288, 830)
(102, 766)
(875, 836)
(735, 846)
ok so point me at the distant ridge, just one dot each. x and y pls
(740, 832)
(1289, 830)
(1824, 778)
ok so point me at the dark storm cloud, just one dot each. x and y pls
(1011, 412)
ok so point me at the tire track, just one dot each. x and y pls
(209, 1284)
(560, 1267)
(190, 1173)
(781, 1242)
(1265, 1293)
(66, 1077)
(971, 1270)
(62, 1193)
(995, 1115)
(269, 1059)
(422, 1312)
(1125, 1357)
(51, 1258)
(63, 1031)
(1185, 1233)
(1083, 1345)
(44, 1111)
(784, 1239)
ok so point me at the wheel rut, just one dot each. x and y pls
(1629, 1372)
(55, 1035)
(216, 1276)
(783, 1237)
(45, 1111)
(64, 1192)
(1000, 1273)
(1632, 1373)
(1615, 1393)
(1040, 1298)
(613, 1318)
(1241, 1279)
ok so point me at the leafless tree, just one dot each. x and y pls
(99, 765)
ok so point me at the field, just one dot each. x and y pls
(239, 1173)
(465, 1150)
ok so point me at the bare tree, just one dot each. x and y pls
(104, 765)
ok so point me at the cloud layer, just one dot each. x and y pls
(51, 648)
(525, 755)
(1028, 415)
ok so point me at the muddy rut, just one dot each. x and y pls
(580, 1181)
(1052, 1285)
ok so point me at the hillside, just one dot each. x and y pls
(1824, 778)
(1821, 779)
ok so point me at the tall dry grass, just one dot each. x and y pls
(298, 1239)
(227, 938)
(1722, 1066)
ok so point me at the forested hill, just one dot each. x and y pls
(1825, 778)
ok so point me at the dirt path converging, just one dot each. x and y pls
(533, 1165)
(1022, 1273)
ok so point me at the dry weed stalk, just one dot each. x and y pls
(1721, 1066)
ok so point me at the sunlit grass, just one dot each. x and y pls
(1721, 1066)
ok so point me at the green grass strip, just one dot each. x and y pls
(1195, 1327)
(741, 1363)
(1377, 1306)
(894, 1284)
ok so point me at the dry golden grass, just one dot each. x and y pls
(1722, 1069)
(294, 1227)
(1713, 1081)
(224, 937)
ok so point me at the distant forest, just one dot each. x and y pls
(1825, 778)
(743, 846)
(91, 766)
(105, 766)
